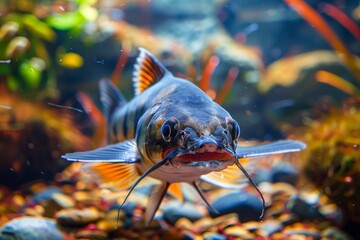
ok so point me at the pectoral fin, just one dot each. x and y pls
(155, 198)
(227, 178)
(270, 148)
(114, 175)
(124, 152)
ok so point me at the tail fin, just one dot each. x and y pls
(111, 99)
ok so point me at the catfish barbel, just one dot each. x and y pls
(172, 131)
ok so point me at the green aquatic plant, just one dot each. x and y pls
(32, 48)
(332, 156)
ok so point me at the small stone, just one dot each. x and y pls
(213, 236)
(108, 226)
(251, 226)
(36, 211)
(46, 194)
(246, 205)
(184, 223)
(287, 218)
(83, 197)
(269, 227)
(64, 201)
(284, 173)
(91, 234)
(303, 209)
(299, 229)
(30, 228)
(238, 231)
(204, 224)
(225, 221)
(331, 212)
(175, 210)
(77, 217)
(276, 209)
(282, 192)
(333, 233)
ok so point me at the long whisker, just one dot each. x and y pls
(203, 197)
(157, 165)
(238, 164)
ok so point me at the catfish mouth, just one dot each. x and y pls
(219, 155)
(206, 154)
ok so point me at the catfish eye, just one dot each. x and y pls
(170, 129)
(234, 128)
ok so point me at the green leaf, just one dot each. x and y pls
(87, 2)
(38, 28)
(65, 21)
(31, 74)
(12, 83)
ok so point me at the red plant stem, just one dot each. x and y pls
(341, 17)
(210, 66)
(99, 138)
(316, 21)
(229, 82)
(115, 77)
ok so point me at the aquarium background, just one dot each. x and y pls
(283, 69)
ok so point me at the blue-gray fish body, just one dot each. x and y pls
(172, 131)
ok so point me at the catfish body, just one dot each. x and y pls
(172, 131)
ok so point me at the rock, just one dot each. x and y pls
(333, 233)
(239, 232)
(30, 228)
(246, 205)
(213, 236)
(46, 194)
(184, 223)
(91, 234)
(175, 210)
(77, 217)
(303, 209)
(284, 172)
(269, 227)
(63, 201)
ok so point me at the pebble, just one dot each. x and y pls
(246, 205)
(251, 226)
(333, 233)
(63, 201)
(302, 230)
(77, 217)
(238, 231)
(175, 210)
(303, 209)
(269, 227)
(184, 223)
(91, 234)
(284, 173)
(30, 228)
(213, 236)
(46, 194)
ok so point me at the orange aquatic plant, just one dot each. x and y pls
(316, 21)
(229, 82)
(342, 18)
(337, 82)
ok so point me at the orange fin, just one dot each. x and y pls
(117, 175)
(155, 198)
(148, 70)
(175, 190)
(230, 177)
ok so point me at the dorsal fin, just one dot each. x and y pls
(111, 98)
(148, 70)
